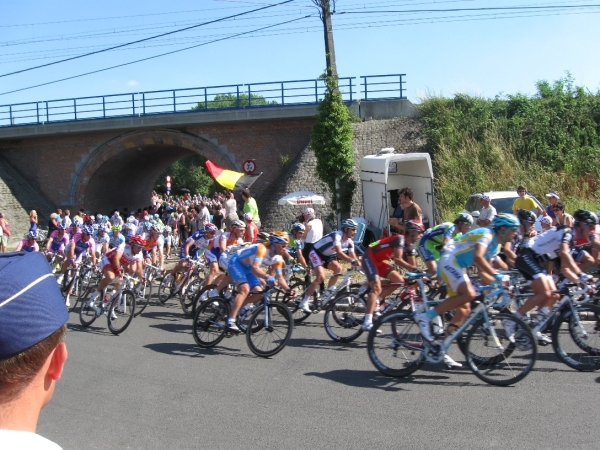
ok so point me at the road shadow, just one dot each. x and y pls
(164, 313)
(193, 351)
(174, 327)
(374, 380)
(102, 330)
(323, 344)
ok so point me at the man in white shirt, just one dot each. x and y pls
(203, 216)
(32, 354)
(487, 211)
(314, 231)
(230, 210)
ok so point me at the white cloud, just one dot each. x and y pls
(132, 83)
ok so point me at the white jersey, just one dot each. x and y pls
(327, 245)
(316, 231)
(548, 243)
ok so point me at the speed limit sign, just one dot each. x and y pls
(249, 166)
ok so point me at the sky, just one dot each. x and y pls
(478, 52)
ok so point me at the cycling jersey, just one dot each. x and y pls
(25, 247)
(587, 242)
(463, 248)
(80, 247)
(373, 262)
(127, 257)
(115, 239)
(326, 246)
(200, 244)
(229, 238)
(547, 244)
(240, 265)
(440, 232)
(58, 243)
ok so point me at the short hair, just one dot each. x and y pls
(559, 205)
(197, 208)
(18, 371)
(408, 192)
(246, 193)
(522, 187)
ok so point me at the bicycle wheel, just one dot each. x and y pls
(578, 348)
(121, 311)
(201, 296)
(143, 294)
(299, 287)
(87, 313)
(398, 350)
(188, 298)
(344, 317)
(506, 363)
(165, 289)
(273, 334)
(209, 322)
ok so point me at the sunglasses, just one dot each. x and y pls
(521, 191)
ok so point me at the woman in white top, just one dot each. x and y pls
(562, 218)
(314, 231)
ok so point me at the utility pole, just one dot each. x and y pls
(325, 14)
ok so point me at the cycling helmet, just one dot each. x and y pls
(33, 234)
(98, 217)
(76, 223)
(87, 229)
(413, 225)
(136, 240)
(298, 227)
(582, 215)
(349, 223)
(88, 219)
(464, 218)
(263, 236)
(156, 228)
(279, 237)
(525, 215)
(505, 220)
(237, 224)
(130, 219)
(62, 226)
(96, 227)
(211, 227)
(116, 227)
(156, 216)
(104, 219)
(168, 229)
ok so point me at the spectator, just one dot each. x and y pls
(250, 206)
(194, 220)
(4, 233)
(487, 212)
(552, 199)
(203, 216)
(525, 202)
(562, 218)
(67, 219)
(182, 224)
(52, 223)
(251, 233)
(32, 351)
(218, 218)
(410, 210)
(33, 220)
(230, 210)
(313, 230)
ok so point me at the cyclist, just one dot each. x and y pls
(375, 266)
(552, 245)
(81, 243)
(245, 268)
(101, 239)
(297, 243)
(128, 256)
(195, 246)
(526, 231)
(74, 228)
(29, 244)
(234, 237)
(324, 255)
(435, 239)
(168, 240)
(153, 248)
(57, 242)
(115, 237)
(474, 248)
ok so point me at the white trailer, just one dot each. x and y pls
(382, 175)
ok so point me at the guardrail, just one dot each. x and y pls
(201, 99)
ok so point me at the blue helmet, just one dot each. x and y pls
(349, 223)
(279, 237)
(505, 220)
(62, 226)
(76, 223)
(33, 234)
(211, 227)
(298, 227)
(87, 229)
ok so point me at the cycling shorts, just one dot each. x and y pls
(78, 258)
(428, 250)
(147, 253)
(451, 273)
(210, 257)
(373, 268)
(193, 254)
(106, 263)
(224, 260)
(60, 248)
(528, 264)
(240, 274)
(578, 253)
(317, 259)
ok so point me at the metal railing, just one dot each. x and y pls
(201, 99)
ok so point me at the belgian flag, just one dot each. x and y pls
(235, 181)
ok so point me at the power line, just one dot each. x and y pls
(156, 56)
(513, 8)
(145, 39)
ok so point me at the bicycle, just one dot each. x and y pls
(76, 282)
(171, 286)
(270, 324)
(144, 289)
(118, 306)
(492, 355)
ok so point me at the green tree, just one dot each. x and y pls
(189, 173)
(332, 143)
(231, 101)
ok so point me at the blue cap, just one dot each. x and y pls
(31, 305)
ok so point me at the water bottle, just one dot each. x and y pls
(363, 288)
(179, 277)
(246, 310)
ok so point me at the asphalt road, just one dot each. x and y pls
(153, 388)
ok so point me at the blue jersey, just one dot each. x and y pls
(116, 239)
(463, 249)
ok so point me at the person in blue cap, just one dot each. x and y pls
(32, 352)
